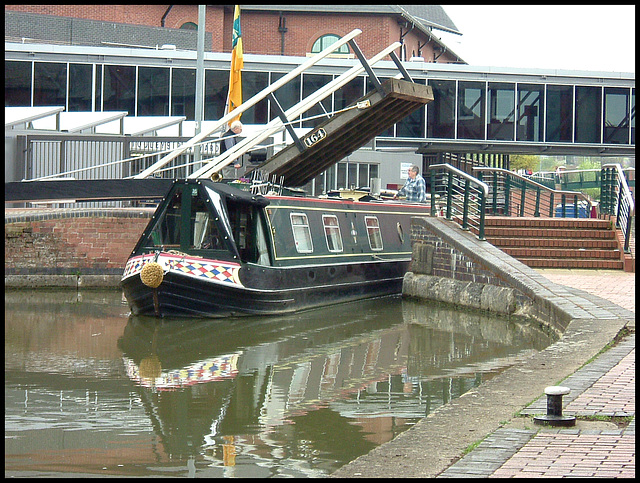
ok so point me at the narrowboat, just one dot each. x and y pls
(217, 249)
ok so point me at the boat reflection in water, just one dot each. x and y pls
(290, 396)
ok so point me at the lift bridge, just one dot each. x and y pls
(388, 103)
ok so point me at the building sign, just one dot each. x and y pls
(404, 168)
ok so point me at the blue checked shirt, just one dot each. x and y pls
(414, 189)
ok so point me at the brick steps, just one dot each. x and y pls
(557, 242)
(572, 263)
(547, 232)
(607, 243)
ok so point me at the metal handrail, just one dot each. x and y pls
(616, 199)
(462, 193)
(506, 185)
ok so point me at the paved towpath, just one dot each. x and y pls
(602, 389)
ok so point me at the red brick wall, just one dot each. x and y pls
(88, 245)
(259, 29)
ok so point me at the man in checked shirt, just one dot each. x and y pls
(414, 189)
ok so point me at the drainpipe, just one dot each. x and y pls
(282, 28)
(165, 15)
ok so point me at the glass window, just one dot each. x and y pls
(342, 176)
(332, 233)
(616, 115)
(501, 111)
(119, 88)
(327, 40)
(153, 91)
(166, 232)
(310, 84)
(441, 111)
(471, 116)
(352, 172)
(216, 89)
(412, 126)
(588, 114)
(349, 94)
(183, 93)
(288, 95)
(373, 232)
(205, 233)
(331, 183)
(17, 83)
(301, 232)
(373, 171)
(50, 84)
(80, 86)
(559, 113)
(530, 105)
(363, 175)
(319, 184)
(252, 83)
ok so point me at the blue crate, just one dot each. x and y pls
(570, 211)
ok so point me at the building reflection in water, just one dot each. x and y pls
(297, 389)
(298, 395)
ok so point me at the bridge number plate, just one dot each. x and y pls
(315, 137)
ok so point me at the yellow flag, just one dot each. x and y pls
(237, 63)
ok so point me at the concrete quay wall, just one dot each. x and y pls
(451, 265)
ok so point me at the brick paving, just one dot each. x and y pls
(603, 388)
(563, 454)
(611, 395)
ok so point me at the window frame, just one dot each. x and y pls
(330, 231)
(321, 43)
(301, 228)
(374, 230)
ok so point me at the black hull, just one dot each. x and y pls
(265, 292)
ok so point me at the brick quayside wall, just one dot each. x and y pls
(446, 261)
(82, 242)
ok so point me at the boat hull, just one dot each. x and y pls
(258, 290)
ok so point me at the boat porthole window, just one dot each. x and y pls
(400, 232)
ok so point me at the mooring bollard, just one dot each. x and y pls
(554, 415)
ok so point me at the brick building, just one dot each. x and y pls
(290, 30)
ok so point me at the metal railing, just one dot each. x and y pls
(464, 196)
(577, 179)
(511, 194)
(616, 199)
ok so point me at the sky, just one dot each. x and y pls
(572, 37)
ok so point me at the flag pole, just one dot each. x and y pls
(199, 114)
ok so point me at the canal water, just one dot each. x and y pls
(91, 390)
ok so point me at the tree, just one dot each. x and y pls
(524, 161)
